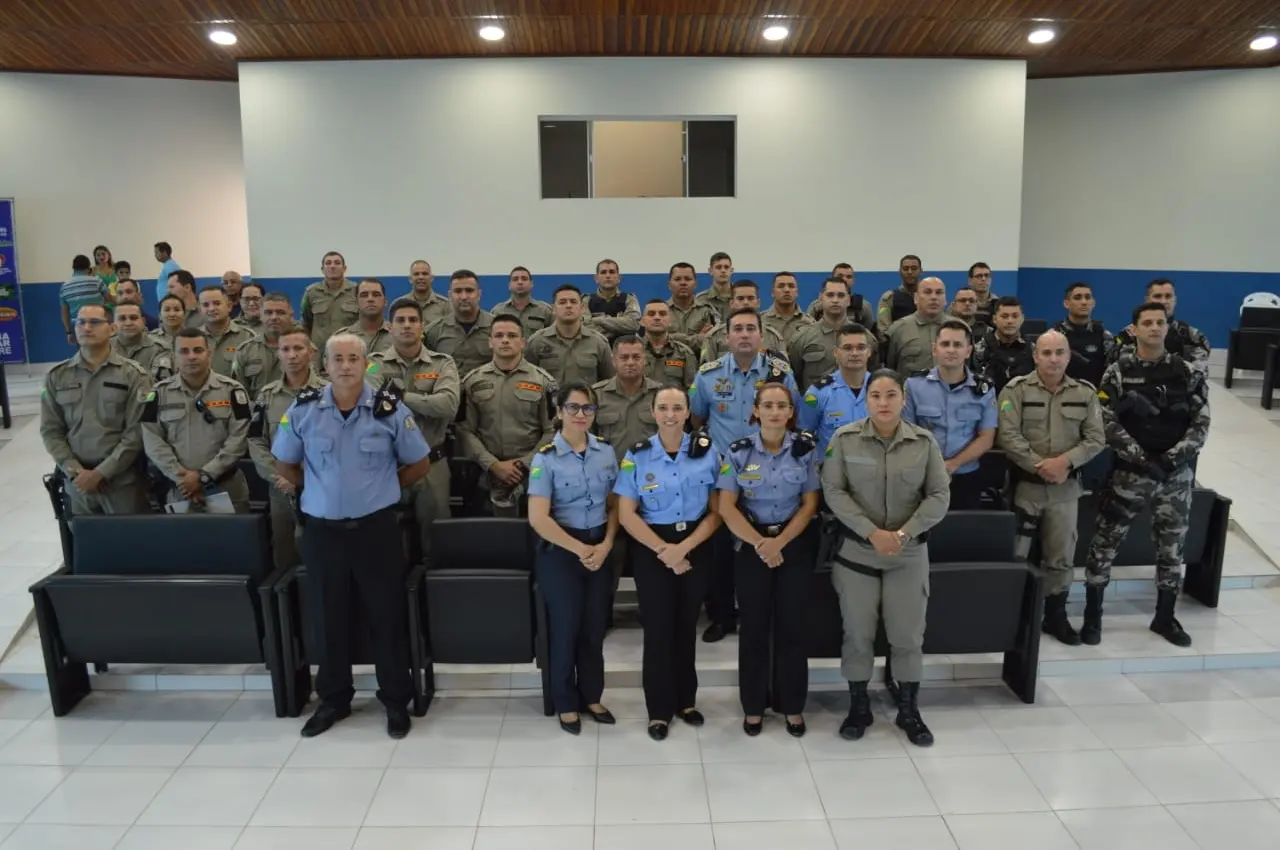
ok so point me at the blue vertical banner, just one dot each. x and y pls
(13, 348)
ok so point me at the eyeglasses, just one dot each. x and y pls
(775, 405)
(205, 411)
(573, 408)
(90, 323)
(250, 299)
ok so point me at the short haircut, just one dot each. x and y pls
(627, 339)
(511, 273)
(132, 304)
(404, 302)
(164, 247)
(1072, 287)
(277, 296)
(332, 342)
(1147, 306)
(328, 254)
(1160, 281)
(213, 287)
(745, 283)
(745, 311)
(655, 301)
(718, 256)
(613, 263)
(295, 329)
(381, 286)
(566, 287)
(838, 281)
(130, 282)
(966, 288)
(957, 325)
(249, 283)
(886, 373)
(838, 266)
(906, 257)
(675, 266)
(185, 278)
(1006, 301)
(857, 329)
(192, 333)
(783, 274)
(103, 307)
(420, 263)
(175, 299)
(123, 264)
(506, 319)
(463, 274)
(575, 387)
(81, 263)
(973, 268)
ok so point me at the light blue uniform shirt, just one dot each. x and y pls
(722, 395)
(162, 283)
(349, 464)
(668, 491)
(953, 416)
(769, 486)
(578, 485)
(829, 404)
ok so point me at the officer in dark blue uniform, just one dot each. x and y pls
(349, 451)
(570, 482)
(664, 492)
(769, 494)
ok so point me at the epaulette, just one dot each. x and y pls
(741, 445)
(547, 449)
(1018, 379)
(778, 359)
(710, 365)
(981, 386)
(825, 381)
(919, 373)
(308, 395)
(804, 442)
(699, 443)
(640, 446)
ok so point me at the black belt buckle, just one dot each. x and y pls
(773, 530)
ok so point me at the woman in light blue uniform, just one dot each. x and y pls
(570, 507)
(664, 503)
(769, 491)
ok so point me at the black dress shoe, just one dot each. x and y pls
(324, 718)
(398, 722)
(752, 729)
(693, 717)
(573, 727)
(658, 731)
(716, 632)
(606, 717)
(796, 730)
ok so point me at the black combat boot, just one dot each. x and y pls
(1091, 629)
(909, 719)
(1165, 624)
(1055, 621)
(860, 716)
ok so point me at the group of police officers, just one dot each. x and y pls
(594, 414)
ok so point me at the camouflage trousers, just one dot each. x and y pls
(1126, 493)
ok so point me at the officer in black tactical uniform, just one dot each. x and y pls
(1004, 354)
(1091, 343)
(1182, 339)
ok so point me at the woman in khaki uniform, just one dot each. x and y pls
(886, 481)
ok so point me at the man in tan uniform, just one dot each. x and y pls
(665, 360)
(719, 295)
(860, 311)
(195, 427)
(464, 334)
(900, 301)
(90, 408)
(534, 315)
(813, 349)
(295, 356)
(329, 304)
(133, 341)
(610, 311)
(1050, 427)
(427, 383)
(509, 408)
(371, 297)
(257, 363)
(690, 319)
(785, 315)
(225, 336)
(911, 338)
(571, 352)
(745, 295)
(432, 306)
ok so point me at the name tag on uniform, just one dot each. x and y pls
(835, 414)
(677, 364)
(651, 487)
(218, 403)
(426, 376)
(523, 385)
(745, 477)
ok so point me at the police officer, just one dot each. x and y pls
(666, 360)
(958, 408)
(840, 396)
(354, 449)
(432, 305)
(1155, 407)
(225, 336)
(859, 308)
(233, 286)
(910, 339)
(1090, 342)
(182, 283)
(980, 283)
(720, 268)
(965, 308)
(464, 335)
(534, 315)
(329, 304)
(664, 503)
(569, 351)
(812, 352)
(570, 483)
(173, 315)
(610, 311)
(371, 327)
(900, 302)
(296, 358)
(785, 316)
(508, 408)
(426, 382)
(133, 341)
(257, 363)
(250, 305)
(722, 397)
(1050, 427)
(90, 407)
(768, 496)
(195, 426)
(1182, 339)
(746, 295)
(1003, 354)
(691, 319)
(886, 482)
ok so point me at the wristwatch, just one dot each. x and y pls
(903, 537)
(206, 480)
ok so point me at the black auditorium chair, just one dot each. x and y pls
(981, 599)
(1032, 328)
(160, 589)
(993, 469)
(1247, 345)
(480, 597)
(259, 490)
(467, 497)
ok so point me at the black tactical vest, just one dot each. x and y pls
(1088, 350)
(1004, 362)
(904, 304)
(599, 306)
(1155, 403)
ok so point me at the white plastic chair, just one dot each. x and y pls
(1261, 299)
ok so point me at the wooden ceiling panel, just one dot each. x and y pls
(170, 37)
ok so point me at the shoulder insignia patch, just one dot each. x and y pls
(308, 395)
(825, 381)
(547, 449)
(640, 446)
(710, 365)
(741, 445)
(627, 465)
(1006, 405)
(811, 399)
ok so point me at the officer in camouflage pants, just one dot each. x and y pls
(1155, 409)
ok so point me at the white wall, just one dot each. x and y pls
(392, 160)
(124, 163)
(1162, 171)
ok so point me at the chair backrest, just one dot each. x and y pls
(1260, 315)
(172, 545)
(479, 543)
(1034, 327)
(1261, 299)
(973, 536)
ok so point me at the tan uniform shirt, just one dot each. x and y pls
(163, 337)
(254, 325)
(719, 302)
(582, 358)
(507, 414)
(431, 387)
(786, 326)
(433, 308)
(884, 310)
(223, 347)
(89, 419)
(624, 420)
(673, 363)
(628, 322)
(379, 340)
(864, 317)
(717, 343)
(147, 351)
(268, 408)
(910, 347)
(535, 316)
(813, 352)
(469, 350)
(256, 365)
(687, 325)
(323, 311)
(176, 435)
(195, 319)
(1036, 424)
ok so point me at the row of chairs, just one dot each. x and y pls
(1255, 346)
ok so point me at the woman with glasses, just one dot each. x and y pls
(570, 481)
(664, 502)
(768, 496)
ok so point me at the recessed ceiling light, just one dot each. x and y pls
(492, 33)
(1264, 42)
(1043, 35)
(224, 37)
(775, 33)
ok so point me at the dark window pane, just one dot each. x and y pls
(565, 159)
(711, 159)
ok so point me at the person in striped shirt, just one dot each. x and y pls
(83, 288)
